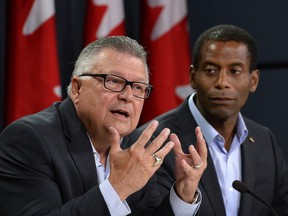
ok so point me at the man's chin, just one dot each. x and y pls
(124, 130)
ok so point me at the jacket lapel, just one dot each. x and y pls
(82, 154)
(248, 153)
(211, 190)
(185, 129)
(78, 145)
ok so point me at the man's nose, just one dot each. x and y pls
(127, 92)
(222, 80)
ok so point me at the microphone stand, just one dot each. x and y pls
(242, 188)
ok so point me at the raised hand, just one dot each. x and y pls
(189, 167)
(130, 169)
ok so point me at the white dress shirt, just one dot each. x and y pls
(119, 208)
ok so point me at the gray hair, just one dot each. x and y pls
(123, 44)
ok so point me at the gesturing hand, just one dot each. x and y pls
(130, 169)
(189, 167)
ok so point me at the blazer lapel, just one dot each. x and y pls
(79, 145)
(248, 170)
(185, 129)
(211, 189)
(82, 153)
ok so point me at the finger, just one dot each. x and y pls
(158, 141)
(146, 134)
(159, 156)
(200, 143)
(114, 140)
(177, 144)
(196, 159)
(165, 150)
(186, 167)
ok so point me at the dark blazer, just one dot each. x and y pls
(264, 169)
(47, 167)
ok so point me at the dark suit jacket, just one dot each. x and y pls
(264, 169)
(47, 167)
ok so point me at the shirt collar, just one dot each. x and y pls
(208, 131)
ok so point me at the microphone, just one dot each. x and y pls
(242, 188)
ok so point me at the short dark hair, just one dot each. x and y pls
(226, 33)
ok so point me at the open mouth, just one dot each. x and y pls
(121, 113)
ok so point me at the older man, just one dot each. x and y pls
(67, 159)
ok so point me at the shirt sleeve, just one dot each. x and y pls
(113, 201)
(181, 208)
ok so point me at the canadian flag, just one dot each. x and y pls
(33, 81)
(165, 36)
(104, 18)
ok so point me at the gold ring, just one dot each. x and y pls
(197, 166)
(158, 160)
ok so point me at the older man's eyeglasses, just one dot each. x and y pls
(117, 84)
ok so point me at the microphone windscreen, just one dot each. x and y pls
(242, 188)
(239, 186)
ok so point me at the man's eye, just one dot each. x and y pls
(235, 71)
(211, 70)
(138, 87)
(113, 80)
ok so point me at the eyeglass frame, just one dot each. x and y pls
(127, 82)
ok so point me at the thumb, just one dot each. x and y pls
(114, 140)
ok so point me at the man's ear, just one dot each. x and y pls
(255, 80)
(192, 77)
(76, 85)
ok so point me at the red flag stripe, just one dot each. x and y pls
(33, 81)
(104, 19)
(166, 38)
